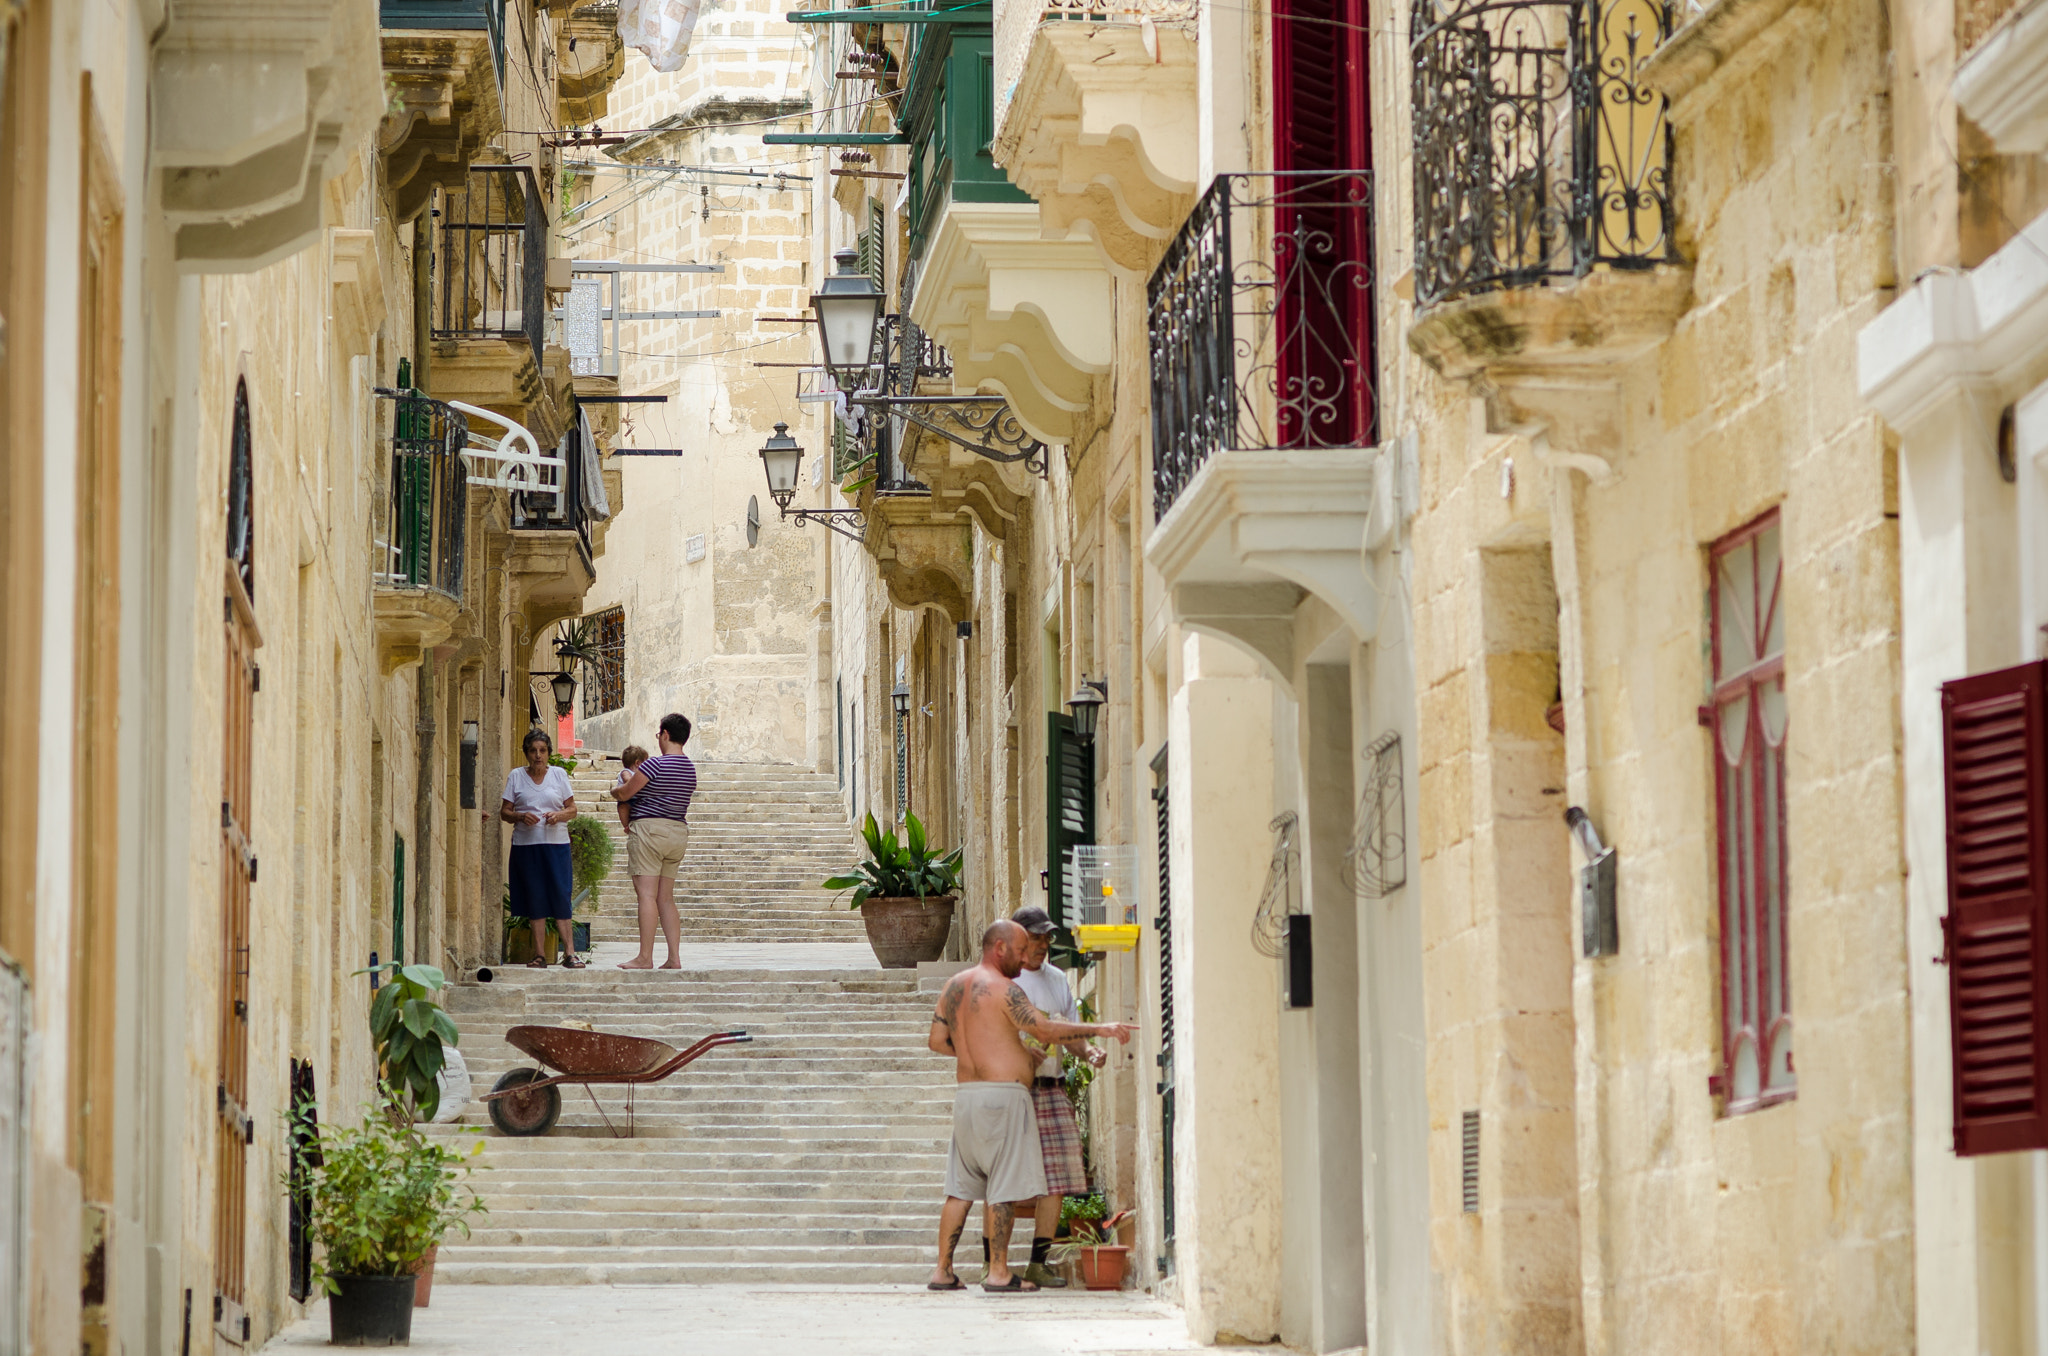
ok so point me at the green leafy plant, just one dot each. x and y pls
(563, 762)
(591, 853)
(383, 1192)
(895, 869)
(1082, 1209)
(1092, 1231)
(409, 1029)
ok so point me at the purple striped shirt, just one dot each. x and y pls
(671, 781)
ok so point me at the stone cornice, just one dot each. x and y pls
(1719, 44)
(1986, 328)
(2003, 85)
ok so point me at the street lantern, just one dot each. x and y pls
(1086, 707)
(900, 698)
(564, 684)
(780, 458)
(849, 308)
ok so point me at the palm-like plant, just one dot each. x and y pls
(899, 869)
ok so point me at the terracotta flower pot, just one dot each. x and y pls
(424, 1269)
(1103, 1268)
(906, 931)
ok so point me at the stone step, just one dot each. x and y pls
(600, 1269)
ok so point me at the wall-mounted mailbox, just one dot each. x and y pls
(1599, 923)
(1299, 955)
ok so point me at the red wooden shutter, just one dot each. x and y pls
(1995, 732)
(1322, 224)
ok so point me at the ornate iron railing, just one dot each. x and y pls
(1540, 152)
(566, 505)
(1261, 323)
(491, 258)
(427, 503)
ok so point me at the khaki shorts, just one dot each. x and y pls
(995, 1153)
(655, 847)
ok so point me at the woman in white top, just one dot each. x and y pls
(540, 802)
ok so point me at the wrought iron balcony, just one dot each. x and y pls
(565, 505)
(1540, 152)
(1261, 323)
(426, 509)
(491, 258)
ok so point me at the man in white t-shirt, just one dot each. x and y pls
(1059, 1137)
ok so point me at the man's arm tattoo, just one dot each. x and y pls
(1026, 1016)
(949, 1004)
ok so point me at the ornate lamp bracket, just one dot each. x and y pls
(851, 522)
(983, 424)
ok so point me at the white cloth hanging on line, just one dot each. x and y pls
(659, 29)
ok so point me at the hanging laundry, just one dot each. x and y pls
(660, 29)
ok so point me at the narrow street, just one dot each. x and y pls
(769, 1193)
(744, 1320)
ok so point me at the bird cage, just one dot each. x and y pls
(1105, 898)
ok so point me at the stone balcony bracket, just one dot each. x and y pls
(1254, 533)
(1101, 129)
(588, 73)
(357, 278)
(2003, 84)
(410, 623)
(1554, 357)
(445, 87)
(254, 105)
(924, 553)
(991, 493)
(1033, 318)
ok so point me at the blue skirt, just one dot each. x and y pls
(540, 878)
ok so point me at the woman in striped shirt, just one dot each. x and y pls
(657, 799)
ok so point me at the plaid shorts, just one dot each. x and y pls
(1059, 1139)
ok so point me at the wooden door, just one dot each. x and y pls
(236, 1127)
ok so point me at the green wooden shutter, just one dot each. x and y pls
(1069, 814)
(397, 900)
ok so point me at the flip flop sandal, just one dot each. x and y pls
(569, 962)
(1017, 1286)
(955, 1284)
(537, 963)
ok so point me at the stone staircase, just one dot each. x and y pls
(814, 1153)
(761, 838)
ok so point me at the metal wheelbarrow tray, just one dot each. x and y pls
(528, 1101)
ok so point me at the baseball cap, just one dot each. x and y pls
(1033, 920)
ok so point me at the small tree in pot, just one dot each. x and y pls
(905, 892)
(384, 1194)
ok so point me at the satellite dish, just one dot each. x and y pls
(753, 519)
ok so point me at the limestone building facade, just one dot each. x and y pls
(268, 626)
(702, 615)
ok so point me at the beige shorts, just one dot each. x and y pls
(995, 1153)
(655, 847)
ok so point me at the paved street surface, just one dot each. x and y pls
(758, 1320)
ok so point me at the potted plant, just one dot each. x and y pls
(410, 1031)
(1092, 1240)
(591, 854)
(384, 1194)
(905, 892)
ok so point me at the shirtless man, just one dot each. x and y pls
(995, 1156)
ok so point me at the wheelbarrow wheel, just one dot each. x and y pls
(525, 1113)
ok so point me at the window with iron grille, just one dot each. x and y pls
(1747, 719)
(604, 680)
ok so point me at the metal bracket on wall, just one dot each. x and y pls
(984, 425)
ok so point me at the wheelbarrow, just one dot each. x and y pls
(528, 1101)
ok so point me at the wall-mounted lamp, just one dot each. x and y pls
(564, 684)
(849, 307)
(899, 696)
(782, 457)
(1086, 707)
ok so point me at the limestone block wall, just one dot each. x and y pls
(1617, 1200)
(719, 630)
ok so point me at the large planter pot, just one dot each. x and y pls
(371, 1311)
(1103, 1268)
(424, 1269)
(904, 932)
